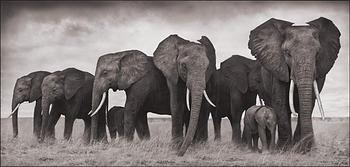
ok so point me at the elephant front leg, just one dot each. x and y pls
(177, 107)
(142, 128)
(217, 127)
(280, 105)
(37, 119)
(68, 128)
(135, 97)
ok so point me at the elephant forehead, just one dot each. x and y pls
(49, 79)
(23, 82)
(300, 31)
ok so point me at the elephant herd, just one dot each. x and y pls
(181, 80)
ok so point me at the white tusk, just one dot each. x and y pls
(50, 107)
(261, 102)
(291, 94)
(188, 99)
(206, 97)
(100, 105)
(317, 93)
(14, 110)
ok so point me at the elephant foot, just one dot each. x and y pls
(176, 143)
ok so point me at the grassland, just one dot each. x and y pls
(332, 137)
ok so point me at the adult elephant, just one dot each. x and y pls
(70, 93)
(28, 88)
(300, 55)
(185, 65)
(145, 87)
(236, 85)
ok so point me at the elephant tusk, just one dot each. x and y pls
(14, 110)
(317, 93)
(261, 101)
(291, 94)
(206, 97)
(188, 99)
(50, 107)
(100, 105)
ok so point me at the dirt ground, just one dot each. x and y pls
(332, 138)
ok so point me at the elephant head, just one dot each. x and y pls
(117, 71)
(58, 86)
(191, 63)
(27, 88)
(300, 54)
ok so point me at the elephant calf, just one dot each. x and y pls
(115, 121)
(260, 121)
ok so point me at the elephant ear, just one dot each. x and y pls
(329, 39)
(74, 79)
(36, 80)
(237, 77)
(133, 67)
(265, 44)
(165, 57)
(210, 51)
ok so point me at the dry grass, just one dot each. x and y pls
(332, 137)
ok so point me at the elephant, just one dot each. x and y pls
(187, 67)
(236, 85)
(69, 92)
(115, 121)
(28, 88)
(295, 55)
(145, 87)
(260, 122)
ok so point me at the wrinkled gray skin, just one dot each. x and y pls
(260, 122)
(70, 93)
(115, 121)
(235, 86)
(28, 88)
(299, 53)
(145, 87)
(189, 65)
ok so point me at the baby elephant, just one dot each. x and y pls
(260, 121)
(115, 121)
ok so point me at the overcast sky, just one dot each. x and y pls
(56, 35)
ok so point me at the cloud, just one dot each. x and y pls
(56, 35)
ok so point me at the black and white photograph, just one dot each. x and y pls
(175, 83)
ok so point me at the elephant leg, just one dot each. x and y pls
(68, 128)
(135, 98)
(255, 137)
(37, 119)
(87, 131)
(142, 128)
(268, 136)
(280, 105)
(262, 135)
(53, 118)
(297, 132)
(272, 141)
(186, 120)
(236, 115)
(177, 107)
(217, 127)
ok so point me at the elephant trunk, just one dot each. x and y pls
(196, 98)
(45, 104)
(14, 113)
(305, 90)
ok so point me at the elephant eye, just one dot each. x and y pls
(20, 90)
(104, 72)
